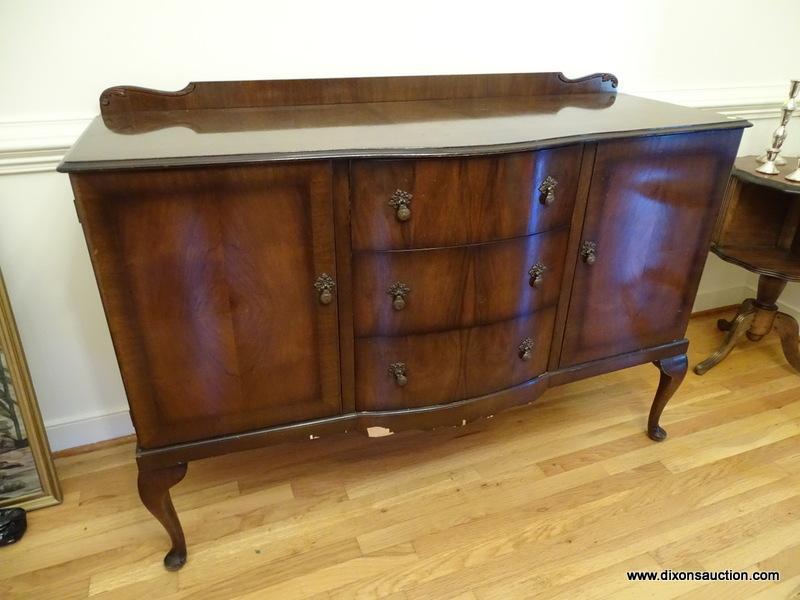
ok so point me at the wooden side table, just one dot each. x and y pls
(759, 229)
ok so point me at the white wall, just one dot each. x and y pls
(56, 57)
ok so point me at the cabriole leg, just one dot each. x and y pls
(673, 370)
(154, 491)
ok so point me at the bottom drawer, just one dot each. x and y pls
(452, 365)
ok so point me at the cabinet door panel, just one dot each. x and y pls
(652, 204)
(207, 277)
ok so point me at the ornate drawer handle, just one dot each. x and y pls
(398, 292)
(589, 252)
(325, 286)
(399, 371)
(537, 274)
(526, 349)
(548, 190)
(401, 201)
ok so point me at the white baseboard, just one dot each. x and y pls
(88, 430)
(735, 295)
(724, 297)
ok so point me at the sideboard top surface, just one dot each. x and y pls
(146, 136)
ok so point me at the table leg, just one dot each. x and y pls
(736, 329)
(787, 328)
(769, 290)
(746, 306)
(756, 318)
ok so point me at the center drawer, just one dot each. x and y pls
(442, 367)
(422, 291)
(433, 202)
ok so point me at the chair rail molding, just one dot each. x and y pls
(748, 102)
(38, 146)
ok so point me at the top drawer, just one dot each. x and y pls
(427, 203)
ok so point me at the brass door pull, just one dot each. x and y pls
(399, 371)
(547, 189)
(401, 202)
(325, 285)
(398, 292)
(589, 252)
(526, 349)
(536, 273)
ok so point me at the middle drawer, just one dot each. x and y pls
(422, 291)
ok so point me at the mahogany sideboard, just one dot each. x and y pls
(286, 259)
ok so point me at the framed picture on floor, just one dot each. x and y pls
(27, 474)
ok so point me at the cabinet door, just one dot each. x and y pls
(651, 207)
(207, 277)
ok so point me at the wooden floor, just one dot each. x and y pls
(558, 500)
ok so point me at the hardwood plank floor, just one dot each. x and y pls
(558, 500)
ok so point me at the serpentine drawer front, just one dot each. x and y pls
(284, 260)
(447, 366)
(402, 204)
(449, 288)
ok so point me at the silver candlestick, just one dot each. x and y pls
(771, 158)
(795, 175)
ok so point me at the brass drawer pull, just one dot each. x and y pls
(401, 201)
(399, 371)
(548, 190)
(537, 274)
(325, 286)
(589, 252)
(526, 349)
(398, 292)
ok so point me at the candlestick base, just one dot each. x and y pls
(768, 168)
(780, 161)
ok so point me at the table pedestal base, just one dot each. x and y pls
(756, 318)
